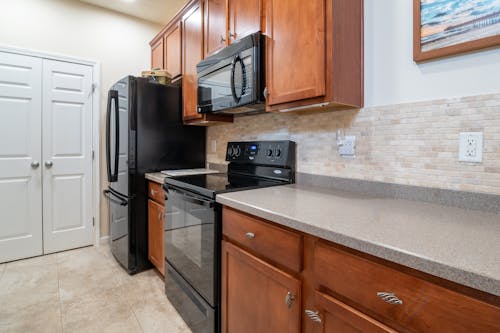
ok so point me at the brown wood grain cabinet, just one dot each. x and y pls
(192, 53)
(157, 55)
(340, 289)
(156, 216)
(173, 44)
(314, 54)
(215, 33)
(257, 297)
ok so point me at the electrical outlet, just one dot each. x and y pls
(348, 147)
(471, 147)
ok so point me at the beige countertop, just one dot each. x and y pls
(452, 243)
(156, 177)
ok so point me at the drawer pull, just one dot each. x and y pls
(289, 299)
(313, 315)
(250, 235)
(390, 298)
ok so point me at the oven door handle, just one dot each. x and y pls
(188, 198)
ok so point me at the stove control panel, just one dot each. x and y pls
(276, 153)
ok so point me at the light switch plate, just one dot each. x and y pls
(471, 147)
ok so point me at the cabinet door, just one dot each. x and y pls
(244, 18)
(295, 50)
(156, 214)
(192, 53)
(331, 315)
(257, 297)
(215, 25)
(173, 50)
(157, 54)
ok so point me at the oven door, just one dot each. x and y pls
(191, 240)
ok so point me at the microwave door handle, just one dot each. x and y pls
(233, 85)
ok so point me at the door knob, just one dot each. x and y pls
(35, 164)
(49, 164)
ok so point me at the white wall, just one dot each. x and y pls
(392, 77)
(119, 42)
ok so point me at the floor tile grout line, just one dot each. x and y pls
(59, 295)
(137, 319)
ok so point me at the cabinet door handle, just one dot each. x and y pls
(289, 298)
(313, 315)
(233, 36)
(222, 39)
(390, 298)
(250, 235)
(153, 193)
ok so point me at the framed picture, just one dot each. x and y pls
(448, 27)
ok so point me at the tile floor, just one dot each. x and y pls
(83, 290)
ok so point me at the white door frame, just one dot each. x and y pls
(96, 121)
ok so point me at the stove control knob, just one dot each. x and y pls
(277, 152)
(230, 151)
(237, 151)
(269, 153)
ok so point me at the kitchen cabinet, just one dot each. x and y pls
(338, 289)
(157, 50)
(192, 53)
(215, 34)
(156, 216)
(257, 297)
(339, 317)
(173, 43)
(228, 21)
(314, 54)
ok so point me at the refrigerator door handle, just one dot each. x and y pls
(112, 176)
(114, 198)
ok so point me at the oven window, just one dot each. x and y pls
(190, 240)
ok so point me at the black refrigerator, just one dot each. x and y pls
(144, 133)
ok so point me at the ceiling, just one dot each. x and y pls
(158, 11)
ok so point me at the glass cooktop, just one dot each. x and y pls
(212, 184)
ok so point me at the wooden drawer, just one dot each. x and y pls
(425, 307)
(155, 192)
(280, 246)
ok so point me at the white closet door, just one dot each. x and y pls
(67, 155)
(20, 150)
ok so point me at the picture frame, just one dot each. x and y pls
(455, 34)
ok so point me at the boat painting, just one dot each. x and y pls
(445, 23)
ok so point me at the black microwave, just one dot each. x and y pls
(232, 81)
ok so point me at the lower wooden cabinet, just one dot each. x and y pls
(331, 315)
(256, 296)
(334, 289)
(156, 215)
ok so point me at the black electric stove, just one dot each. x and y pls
(193, 225)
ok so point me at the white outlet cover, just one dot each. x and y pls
(348, 148)
(470, 147)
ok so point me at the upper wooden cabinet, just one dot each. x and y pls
(314, 54)
(173, 44)
(157, 50)
(192, 53)
(215, 12)
(295, 50)
(227, 21)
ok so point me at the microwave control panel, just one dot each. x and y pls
(276, 153)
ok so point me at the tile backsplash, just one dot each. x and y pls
(412, 144)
